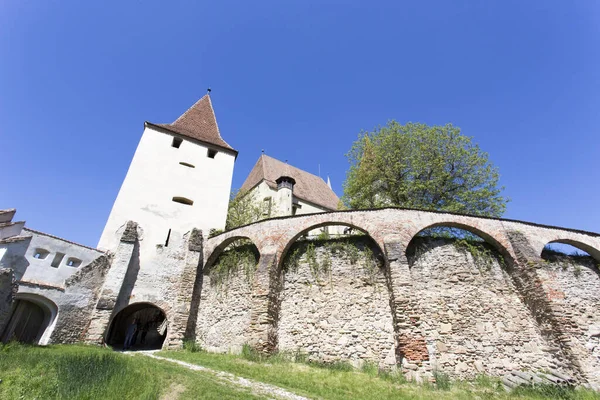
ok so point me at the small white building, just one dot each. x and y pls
(284, 190)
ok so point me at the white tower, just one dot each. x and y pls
(178, 179)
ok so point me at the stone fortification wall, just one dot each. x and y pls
(335, 304)
(463, 304)
(470, 313)
(225, 305)
(76, 303)
(573, 287)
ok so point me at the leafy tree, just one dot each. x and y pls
(243, 209)
(424, 167)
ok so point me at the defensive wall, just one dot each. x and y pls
(441, 311)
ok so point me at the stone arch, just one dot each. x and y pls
(487, 237)
(216, 251)
(592, 251)
(33, 319)
(150, 319)
(288, 242)
(349, 301)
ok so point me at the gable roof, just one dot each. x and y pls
(308, 187)
(198, 122)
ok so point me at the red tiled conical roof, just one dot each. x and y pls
(199, 122)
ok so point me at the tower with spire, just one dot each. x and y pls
(179, 179)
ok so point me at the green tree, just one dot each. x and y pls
(243, 209)
(424, 167)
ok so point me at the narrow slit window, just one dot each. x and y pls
(187, 164)
(168, 237)
(176, 142)
(211, 153)
(40, 253)
(57, 259)
(73, 262)
(183, 200)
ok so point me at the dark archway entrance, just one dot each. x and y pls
(29, 322)
(151, 327)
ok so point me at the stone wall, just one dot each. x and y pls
(572, 285)
(77, 302)
(341, 312)
(470, 313)
(224, 310)
(8, 289)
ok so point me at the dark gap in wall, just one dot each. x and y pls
(168, 237)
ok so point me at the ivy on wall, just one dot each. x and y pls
(318, 253)
(241, 255)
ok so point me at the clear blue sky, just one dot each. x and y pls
(299, 79)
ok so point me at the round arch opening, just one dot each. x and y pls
(143, 325)
(564, 248)
(235, 243)
(332, 232)
(32, 320)
(464, 237)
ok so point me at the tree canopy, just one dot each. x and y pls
(424, 167)
(243, 209)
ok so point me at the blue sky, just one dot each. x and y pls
(299, 79)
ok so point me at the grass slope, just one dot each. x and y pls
(339, 381)
(90, 372)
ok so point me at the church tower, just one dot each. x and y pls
(178, 179)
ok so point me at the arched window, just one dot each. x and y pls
(40, 253)
(183, 200)
(73, 262)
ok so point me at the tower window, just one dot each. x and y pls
(40, 253)
(183, 200)
(211, 153)
(57, 259)
(73, 262)
(187, 164)
(168, 237)
(176, 142)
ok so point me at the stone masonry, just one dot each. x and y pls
(443, 312)
(440, 308)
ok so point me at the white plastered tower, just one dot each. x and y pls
(178, 179)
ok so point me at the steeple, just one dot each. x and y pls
(199, 122)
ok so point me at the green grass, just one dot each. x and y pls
(89, 372)
(335, 382)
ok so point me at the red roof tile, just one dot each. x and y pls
(199, 122)
(308, 187)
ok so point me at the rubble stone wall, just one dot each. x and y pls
(224, 312)
(572, 285)
(471, 315)
(340, 314)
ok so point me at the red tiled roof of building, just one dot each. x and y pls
(199, 122)
(308, 187)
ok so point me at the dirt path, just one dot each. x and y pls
(257, 388)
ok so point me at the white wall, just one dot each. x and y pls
(155, 177)
(41, 271)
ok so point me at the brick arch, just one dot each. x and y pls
(216, 250)
(500, 243)
(287, 242)
(591, 250)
